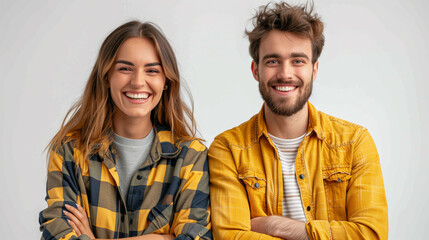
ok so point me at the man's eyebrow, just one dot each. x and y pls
(292, 55)
(273, 55)
(298, 55)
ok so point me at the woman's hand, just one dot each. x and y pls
(78, 220)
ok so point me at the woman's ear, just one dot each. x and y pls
(107, 81)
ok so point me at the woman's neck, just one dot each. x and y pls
(134, 128)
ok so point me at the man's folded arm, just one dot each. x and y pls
(231, 217)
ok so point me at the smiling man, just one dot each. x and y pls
(292, 172)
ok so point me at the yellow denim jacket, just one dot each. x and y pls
(337, 169)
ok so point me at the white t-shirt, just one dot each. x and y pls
(292, 203)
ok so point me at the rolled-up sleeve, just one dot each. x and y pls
(62, 188)
(192, 217)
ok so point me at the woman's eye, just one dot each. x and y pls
(153, 71)
(124, 69)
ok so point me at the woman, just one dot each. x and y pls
(126, 164)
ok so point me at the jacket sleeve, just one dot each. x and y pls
(192, 215)
(62, 188)
(366, 199)
(231, 213)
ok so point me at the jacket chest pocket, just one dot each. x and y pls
(335, 181)
(256, 188)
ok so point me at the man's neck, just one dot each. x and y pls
(287, 127)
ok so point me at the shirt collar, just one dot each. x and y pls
(314, 125)
(162, 146)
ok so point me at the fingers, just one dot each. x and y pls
(75, 212)
(71, 217)
(82, 211)
(79, 220)
(84, 219)
(78, 226)
(75, 228)
(79, 213)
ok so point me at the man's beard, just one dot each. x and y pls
(280, 107)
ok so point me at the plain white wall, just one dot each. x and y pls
(372, 72)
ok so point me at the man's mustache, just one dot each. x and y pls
(279, 81)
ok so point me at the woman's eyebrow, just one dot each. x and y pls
(153, 64)
(125, 62)
(132, 64)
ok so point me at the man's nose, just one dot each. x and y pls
(285, 71)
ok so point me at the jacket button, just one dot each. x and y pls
(308, 208)
(139, 177)
(339, 180)
(302, 176)
(256, 185)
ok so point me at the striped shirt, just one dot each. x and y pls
(168, 194)
(287, 150)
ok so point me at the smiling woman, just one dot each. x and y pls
(136, 83)
(126, 163)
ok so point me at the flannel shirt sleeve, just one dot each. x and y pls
(366, 200)
(231, 218)
(192, 217)
(62, 188)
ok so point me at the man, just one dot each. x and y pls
(292, 172)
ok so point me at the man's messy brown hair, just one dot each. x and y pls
(282, 16)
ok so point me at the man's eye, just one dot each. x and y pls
(298, 61)
(272, 62)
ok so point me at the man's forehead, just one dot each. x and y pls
(286, 41)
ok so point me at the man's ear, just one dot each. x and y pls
(315, 69)
(254, 68)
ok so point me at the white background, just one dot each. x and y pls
(373, 71)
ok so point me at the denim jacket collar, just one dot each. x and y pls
(314, 124)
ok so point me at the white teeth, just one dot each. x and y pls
(137, 95)
(284, 88)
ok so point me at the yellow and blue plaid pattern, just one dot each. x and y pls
(337, 169)
(169, 193)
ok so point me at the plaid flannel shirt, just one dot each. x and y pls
(169, 193)
(338, 172)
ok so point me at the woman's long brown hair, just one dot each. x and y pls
(89, 120)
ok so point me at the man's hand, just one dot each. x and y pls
(278, 226)
(78, 220)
